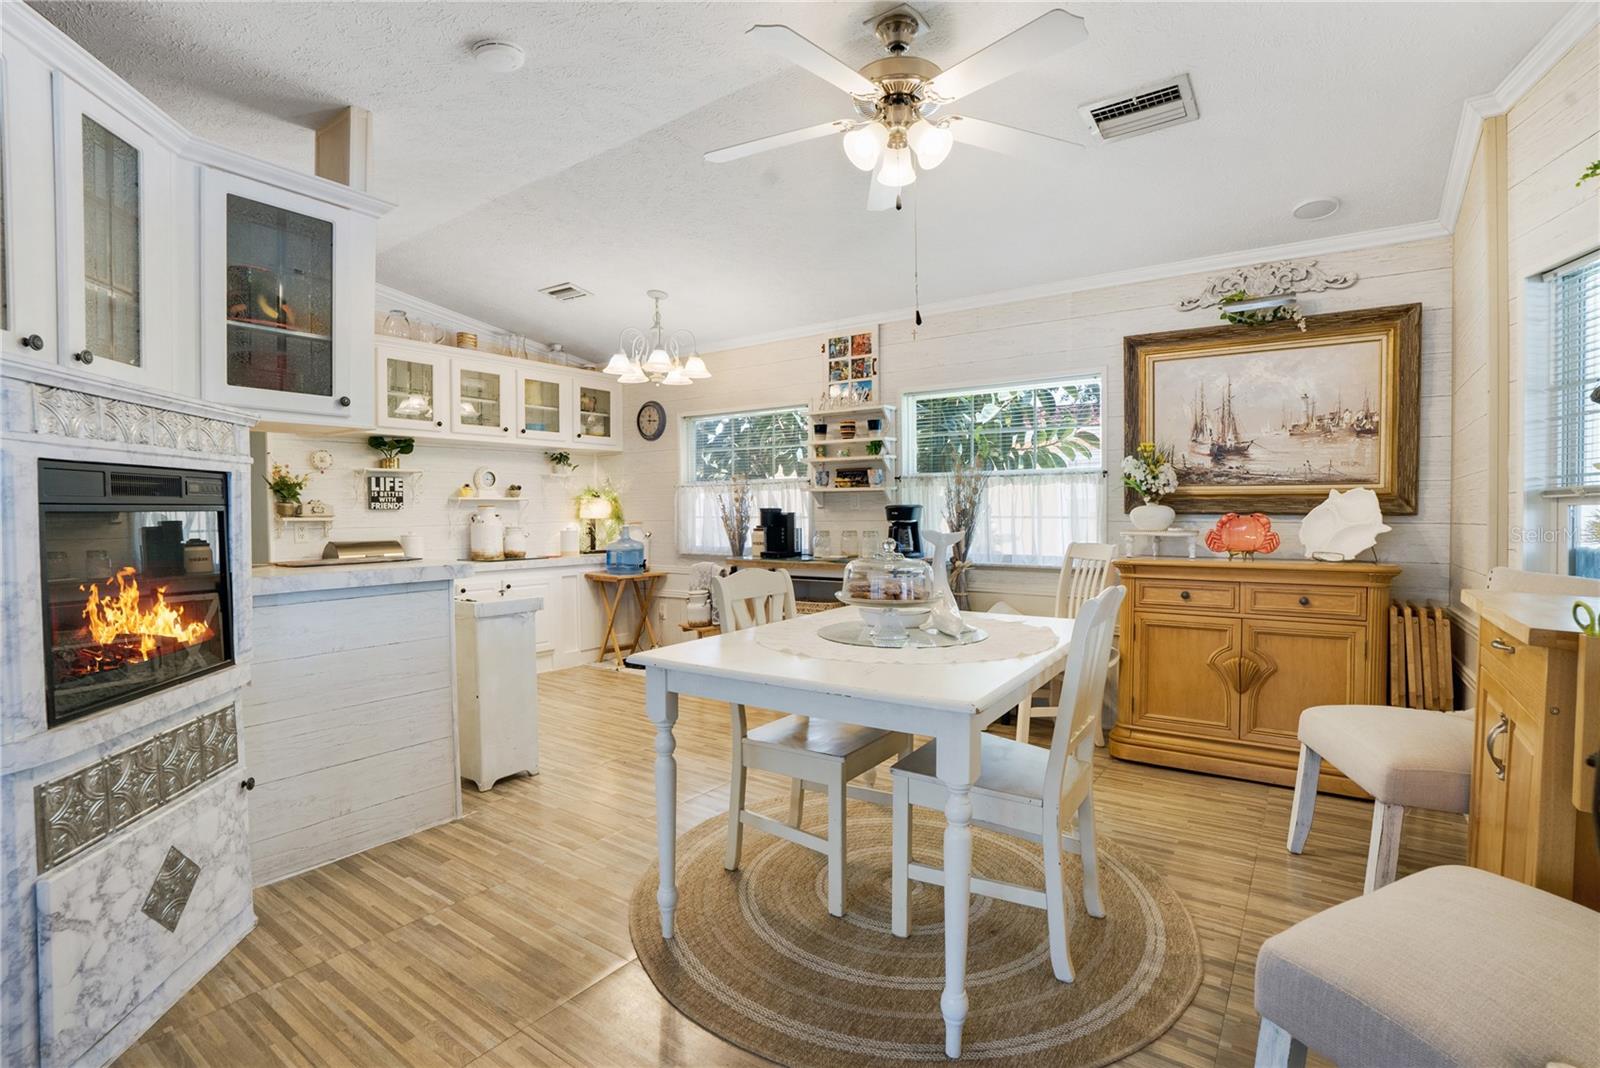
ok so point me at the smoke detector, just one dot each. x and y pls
(1148, 108)
(502, 57)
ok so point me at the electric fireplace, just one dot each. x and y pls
(135, 573)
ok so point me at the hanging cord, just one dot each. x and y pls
(916, 267)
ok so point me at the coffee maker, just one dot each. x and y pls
(777, 526)
(904, 520)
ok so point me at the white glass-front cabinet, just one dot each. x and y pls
(285, 301)
(413, 388)
(28, 314)
(543, 405)
(597, 408)
(484, 398)
(115, 220)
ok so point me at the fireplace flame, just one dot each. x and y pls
(113, 619)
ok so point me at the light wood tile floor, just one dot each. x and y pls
(502, 939)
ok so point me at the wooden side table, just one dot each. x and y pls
(644, 593)
(700, 630)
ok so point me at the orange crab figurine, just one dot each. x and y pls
(1242, 535)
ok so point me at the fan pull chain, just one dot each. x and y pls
(916, 270)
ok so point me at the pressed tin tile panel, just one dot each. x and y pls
(78, 810)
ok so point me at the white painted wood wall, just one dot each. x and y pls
(1062, 335)
(349, 723)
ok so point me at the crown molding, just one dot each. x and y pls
(1323, 246)
(1580, 19)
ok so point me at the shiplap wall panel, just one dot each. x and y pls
(1552, 133)
(349, 723)
(1056, 336)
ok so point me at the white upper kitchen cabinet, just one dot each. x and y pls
(597, 405)
(413, 387)
(544, 404)
(286, 293)
(484, 398)
(28, 319)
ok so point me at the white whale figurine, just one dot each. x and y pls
(1343, 526)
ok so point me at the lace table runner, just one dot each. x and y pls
(1007, 639)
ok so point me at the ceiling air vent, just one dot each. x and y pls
(565, 291)
(1149, 107)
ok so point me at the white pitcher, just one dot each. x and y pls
(487, 540)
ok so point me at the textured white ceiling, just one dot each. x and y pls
(585, 165)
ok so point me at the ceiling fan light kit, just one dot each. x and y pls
(896, 98)
(666, 358)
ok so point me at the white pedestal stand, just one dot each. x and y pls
(497, 688)
(1153, 539)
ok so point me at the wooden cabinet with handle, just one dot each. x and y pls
(1219, 659)
(1525, 821)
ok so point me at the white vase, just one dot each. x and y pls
(1152, 517)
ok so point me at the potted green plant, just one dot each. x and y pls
(601, 511)
(391, 449)
(874, 448)
(286, 487)
(1287, 312)
(561, 462)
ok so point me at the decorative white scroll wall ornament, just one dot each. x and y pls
(1272, 279)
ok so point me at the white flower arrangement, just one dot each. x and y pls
(1149, 473)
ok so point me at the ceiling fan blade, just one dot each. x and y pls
(1009, 140)
(766, 144)
(1046, 35)
(880, 197)
(801, 52)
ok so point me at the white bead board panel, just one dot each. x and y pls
(350, 723)
(100, 952)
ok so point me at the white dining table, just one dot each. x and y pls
(950, 702)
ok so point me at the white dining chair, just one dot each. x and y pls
(1085, 572)
(1026, 791)
(817, 753)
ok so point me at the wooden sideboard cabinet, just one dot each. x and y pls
(1220, 658)
(1528, 817)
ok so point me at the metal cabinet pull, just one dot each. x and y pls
(344, 402)
(1504, 647)
(1488, 746)
(33, 341)
(1305, 602)
(248, 784)
(1184, 595)
(84, 357)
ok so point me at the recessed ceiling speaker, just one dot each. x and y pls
(502, 57)
(1316, 208)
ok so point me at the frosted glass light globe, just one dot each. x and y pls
(865, 144)
(931, 143)
(897, 171)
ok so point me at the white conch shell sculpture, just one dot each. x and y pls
(1343, 526)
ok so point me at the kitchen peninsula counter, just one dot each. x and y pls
(274, 579)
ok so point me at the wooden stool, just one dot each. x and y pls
(644, 592)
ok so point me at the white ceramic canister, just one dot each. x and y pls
(697, 609)
(198, 558)
(569, 541)
(488, 534)
(516, 543)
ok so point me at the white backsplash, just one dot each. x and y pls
(429, 510)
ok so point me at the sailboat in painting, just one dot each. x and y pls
(1226, 441)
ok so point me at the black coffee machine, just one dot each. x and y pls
(778, 529)
(904, 520)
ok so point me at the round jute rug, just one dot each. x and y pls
(757, 960)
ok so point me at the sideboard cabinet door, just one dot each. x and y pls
(1292, 666)
(1185, 674)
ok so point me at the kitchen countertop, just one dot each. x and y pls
(269, 579)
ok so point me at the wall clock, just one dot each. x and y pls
(485, 480)
(652, 420)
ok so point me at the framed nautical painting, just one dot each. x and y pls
(1270, 418)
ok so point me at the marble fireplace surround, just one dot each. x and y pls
(88, 959)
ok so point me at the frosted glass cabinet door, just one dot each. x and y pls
(595, 420)
(279, 299)
(542, 411)
(412, 387)
(483, 399)
(114, 194)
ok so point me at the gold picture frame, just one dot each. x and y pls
(1266, 418)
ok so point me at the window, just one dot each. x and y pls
(1572, 481)
(768, 448)
(1041, 443)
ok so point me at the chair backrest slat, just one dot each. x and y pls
(1084, 573)
(1083, 686)
(752, 598)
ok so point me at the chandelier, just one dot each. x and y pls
(655, 355)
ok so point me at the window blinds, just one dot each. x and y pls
(1575, 367)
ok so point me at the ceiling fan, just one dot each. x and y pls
(899, 99)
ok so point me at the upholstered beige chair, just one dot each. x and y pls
(1450, 966)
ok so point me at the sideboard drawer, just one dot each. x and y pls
(1211, 596)
(1521, 667)
(1329, 602)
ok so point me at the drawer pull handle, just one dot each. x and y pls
(248, 784)
(1504, 647)
(1184, 595)
(1488, 746)
(1305, 602)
